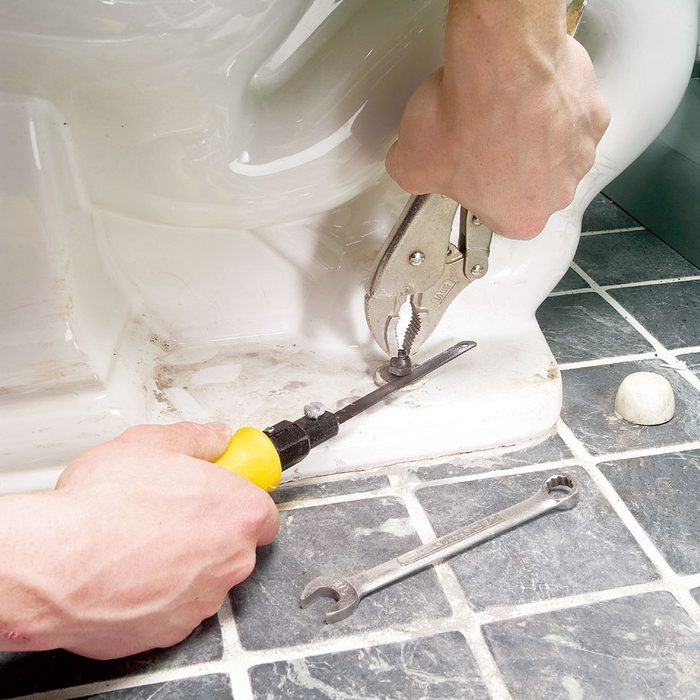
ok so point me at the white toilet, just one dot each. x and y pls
(193, 193)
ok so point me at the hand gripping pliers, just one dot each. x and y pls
(418, 264)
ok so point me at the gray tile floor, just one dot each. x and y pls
(599, 602)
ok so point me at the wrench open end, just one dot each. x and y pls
(344, 594)
(563, 488)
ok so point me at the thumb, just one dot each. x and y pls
(200, 440)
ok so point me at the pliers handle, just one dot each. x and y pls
(419, 264)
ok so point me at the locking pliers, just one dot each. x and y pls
(418, 264)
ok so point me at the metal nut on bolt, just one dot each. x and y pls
(314, 410)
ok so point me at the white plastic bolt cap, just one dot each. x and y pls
(645, 398)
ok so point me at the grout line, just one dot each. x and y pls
(686, 351)
(538, 607)
(363, 639)
(410, 480)
(670, 579)
(497, 473)
(127, 682)
(463, 613)
(649, 283)
(340, 498)
(233, 652)
(661, 350)
(692, 581)
(613, 230)
(636, 357)
(645, 452)
(570, 292)
(687, 602)
(624, 285)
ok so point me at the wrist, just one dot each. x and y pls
(493, 47)
(36, 531)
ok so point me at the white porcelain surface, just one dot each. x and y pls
(192, 193)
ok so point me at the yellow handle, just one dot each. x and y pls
(252, 455)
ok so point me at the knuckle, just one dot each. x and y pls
(212, 607)
(254, 517)
(241, 567)
(246, 565)
(601, 117)
(180, 633)
(183, 428)
(532, 228)
(566, 194)
(138, 433)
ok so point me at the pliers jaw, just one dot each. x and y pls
(418, 264)
(383, 319)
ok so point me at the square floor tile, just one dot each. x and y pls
(214, 687)
(642, 646)
(333, 540)
(570, 281)
(553, 449)
(21, 674)
(298, 490)
(663, 494)
(589, 409)
(604, 215)
(631, 256)
(561, 553)
(670, 312)
(692, 360)
(582, 327)
(430, 667)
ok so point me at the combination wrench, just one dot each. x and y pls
(558, 492)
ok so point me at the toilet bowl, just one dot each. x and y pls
(193, 193)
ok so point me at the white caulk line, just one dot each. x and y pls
(672, 581)
(651, 283)
(661, 351)
(613, 230)
(469, 626)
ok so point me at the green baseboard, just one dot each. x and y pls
(661, 189)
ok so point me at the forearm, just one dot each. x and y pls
(33, 541)
(504, 40)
